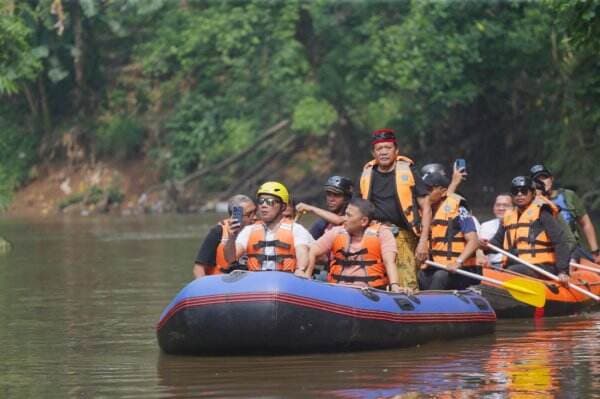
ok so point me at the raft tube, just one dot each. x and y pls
(560, 300)
(279, 313)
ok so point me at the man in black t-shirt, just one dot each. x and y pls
(338, 191)
(401, 201)
(210, 258)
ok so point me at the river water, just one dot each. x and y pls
(79, 300)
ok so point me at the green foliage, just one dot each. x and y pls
(17, 153)
(313, 116)
(19, 61)
(120, 137)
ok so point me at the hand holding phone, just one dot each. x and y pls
(237, 214)
(461, 165)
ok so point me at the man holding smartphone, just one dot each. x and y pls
(276, 242)
(211, 258)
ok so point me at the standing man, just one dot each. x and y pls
(488, 229)
(274, 243)
(401, 201)
(211, 257)
(338, 191)
(571, 208)
(453, 238)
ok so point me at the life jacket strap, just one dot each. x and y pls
(272, 243)
(353, 279)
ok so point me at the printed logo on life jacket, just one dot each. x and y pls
(404, 178)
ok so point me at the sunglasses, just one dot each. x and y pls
(519, 190)
(268, 201)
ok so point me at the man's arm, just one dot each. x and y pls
(590, 235)
(232, 248)
(302, 259)
(422, 250)
(207, 253)
(472, 243)
(322, 213)
(556, 235)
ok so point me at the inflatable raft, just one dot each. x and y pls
(279, 313)
(560, 301)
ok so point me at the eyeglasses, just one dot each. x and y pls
(519, 190)
(268, 201)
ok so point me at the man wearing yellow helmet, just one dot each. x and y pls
(274, 243)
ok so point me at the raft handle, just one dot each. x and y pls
(370, 294)
(404, 303)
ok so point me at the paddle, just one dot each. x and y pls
(583, 267)
(298, 216)
(524, 290)
(542, 271)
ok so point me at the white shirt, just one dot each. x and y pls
(488, 231)
(301, 237)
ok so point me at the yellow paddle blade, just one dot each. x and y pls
(527, 291)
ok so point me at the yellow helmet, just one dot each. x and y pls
(276, 189)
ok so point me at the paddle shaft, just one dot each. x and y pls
(583, 267)
(466, 273)
(542, 271)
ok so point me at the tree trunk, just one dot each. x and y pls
(46, 117)
(78, 58)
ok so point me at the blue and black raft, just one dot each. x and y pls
(279, 313)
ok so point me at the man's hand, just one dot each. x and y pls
(453, 266)
(234, 227)
(563, 278)
(303, 208)
(597, 258)
(483, 243)
(395, 287)
(422, 251)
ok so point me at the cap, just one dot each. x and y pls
(339, 184)
(383, 136)
(539, 170)
(433, 168)
(436, 179)
(521, 181)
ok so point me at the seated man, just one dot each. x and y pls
(364, 252)
(453, 238)
(531, 232)
(275, 242)
(211, 258)
(573, 215)
(338, 191)
(488, 229)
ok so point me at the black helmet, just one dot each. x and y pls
(522, 181)
(339, 184)
(539, 170)
(433, 168)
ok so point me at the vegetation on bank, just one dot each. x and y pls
(192, 84)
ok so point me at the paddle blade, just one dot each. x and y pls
(527, 291)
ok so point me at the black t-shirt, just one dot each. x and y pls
(207, 254)
(318, 228)
(385, 198)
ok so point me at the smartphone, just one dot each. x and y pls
(461, 164)
(237, 213)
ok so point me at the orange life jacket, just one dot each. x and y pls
(405, 181)
(368, 257)
(221, 265)
(525, 234)
(447, 241)
(285, 253)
